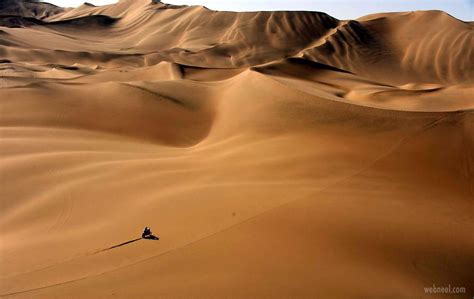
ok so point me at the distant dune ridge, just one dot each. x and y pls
(276, 154)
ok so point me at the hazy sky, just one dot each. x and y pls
(342, 9)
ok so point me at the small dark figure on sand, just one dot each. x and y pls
(147, 234)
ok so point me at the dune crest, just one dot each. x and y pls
(276, 154)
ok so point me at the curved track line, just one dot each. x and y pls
(70, 259)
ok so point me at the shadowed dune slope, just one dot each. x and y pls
(276, 154)
(29, 8)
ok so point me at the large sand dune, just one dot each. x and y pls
(276, 154)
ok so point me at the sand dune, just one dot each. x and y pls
(276, 154)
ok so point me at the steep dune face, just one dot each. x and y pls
(419, 46)
(276, 154)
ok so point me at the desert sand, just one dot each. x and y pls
(276, 154)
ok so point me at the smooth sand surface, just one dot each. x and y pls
(276, 154)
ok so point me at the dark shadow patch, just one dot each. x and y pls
(173, 100)
(95, 20)
(119, 245)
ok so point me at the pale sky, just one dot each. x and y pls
(341, 9)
